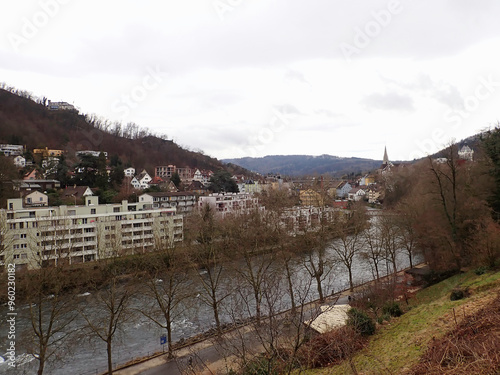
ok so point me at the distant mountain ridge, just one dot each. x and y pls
(299, 165)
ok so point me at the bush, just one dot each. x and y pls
(261, 366)
(330, 348)
(457, 294)
(392, 309)
(361, 322)
(481, 270)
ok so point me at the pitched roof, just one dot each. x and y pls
(75, 191)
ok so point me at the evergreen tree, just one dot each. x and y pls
(222, 182)
(491, 145)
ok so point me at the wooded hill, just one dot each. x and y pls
(26, 122)
(298, 165)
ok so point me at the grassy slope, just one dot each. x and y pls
(399, 344)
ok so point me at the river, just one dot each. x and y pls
(140, 337)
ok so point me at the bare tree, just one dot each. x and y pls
(349, 238)
(51, 313)
(207, 255)
(110, 308)
(168, 284)
(373, 249)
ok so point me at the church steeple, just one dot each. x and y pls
(386, 158)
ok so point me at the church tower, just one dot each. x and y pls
(386, 158)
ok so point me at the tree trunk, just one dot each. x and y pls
(290, 286)
(110, 363)
(351, 283)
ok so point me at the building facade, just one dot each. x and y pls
(31, 237)
(184, 202)
(230, 203)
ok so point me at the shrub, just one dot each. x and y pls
(457, 294)
(261, 366)
(330, 348)
(392, 309)
(360, 321)
(481, 270)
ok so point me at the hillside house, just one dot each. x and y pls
(141, 181)
(343, 189)
(356, 194)
(11, 150)
(76, 194)
(20, 162)
(165, 171)
(466, 153)
(60, 106)
(46, 152)
(129, 172)
(35, 199)
(95, 154)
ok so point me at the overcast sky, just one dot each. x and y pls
(241, 78)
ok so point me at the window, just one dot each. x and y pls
(21, 225)
(12, 226)
(23, 235)
(16, 256)
(92, 211)
(41, 199)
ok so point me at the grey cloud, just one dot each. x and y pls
(388, 102)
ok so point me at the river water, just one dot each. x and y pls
(140, 336)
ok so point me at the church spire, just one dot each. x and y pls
(386, 158)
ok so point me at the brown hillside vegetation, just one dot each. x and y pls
(23, 121)
(473, 347)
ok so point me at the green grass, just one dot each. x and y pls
(399, 344)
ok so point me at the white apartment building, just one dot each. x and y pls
(184, 202)
(34, 236)
(230, 203)
(95, 154)
(11, 150)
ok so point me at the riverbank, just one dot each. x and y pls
(202, 347)
(437, 335)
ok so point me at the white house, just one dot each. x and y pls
(129, 172)
(141, 181)
(356, 194)
(466, 153)
(343, 189)
(20, 162)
